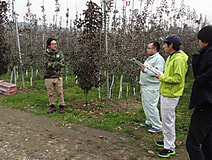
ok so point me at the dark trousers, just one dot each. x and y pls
(199, 139)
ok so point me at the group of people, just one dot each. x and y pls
(169, 88)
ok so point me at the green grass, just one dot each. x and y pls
(124, 120)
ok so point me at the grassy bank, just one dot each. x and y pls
(115, 115)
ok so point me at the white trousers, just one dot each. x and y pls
(150, 98)
(168, 105)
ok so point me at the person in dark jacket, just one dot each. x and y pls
(199, 138)
(54, 61)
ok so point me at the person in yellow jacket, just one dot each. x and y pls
(171, 88)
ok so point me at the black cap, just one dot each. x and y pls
(205, 34)
(48, 42)
(173, 39)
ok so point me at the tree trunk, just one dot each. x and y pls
(111, 86)
(26, 73)
(134, 92)
(19, 51)
(11, 75)
(36, 73)
(127, 91)
(99, 88)
(134, 88)
(15, 75)
(106, 44)
(120, 90)
(66, 79)
(86, 97)
(76, 80)
(31, 77)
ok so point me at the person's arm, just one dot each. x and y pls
(53, 63)
(60, 61)
(49, 61)
(205, 78)
(178, 72)
(160, 63)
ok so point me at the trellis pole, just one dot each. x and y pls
(18, 42)
(106, 44)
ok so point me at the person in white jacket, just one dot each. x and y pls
(150, 87)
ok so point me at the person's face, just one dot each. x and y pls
(202, 44)
(53, 46)
(167, 49)
(151, 49)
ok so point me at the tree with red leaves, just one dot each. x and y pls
(4, 60)
(87, 59)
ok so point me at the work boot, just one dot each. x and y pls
(62, 111)
(52, 108)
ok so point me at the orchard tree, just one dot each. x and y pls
(86, 64)
(4, 60)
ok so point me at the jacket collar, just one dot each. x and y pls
(49, 52)
(175, 53)
(154, 55)
(202, 50)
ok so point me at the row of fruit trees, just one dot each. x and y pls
(98, 45)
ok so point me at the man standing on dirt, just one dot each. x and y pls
(171, 88)
(199, 139)
(54, 61)
(150, 87)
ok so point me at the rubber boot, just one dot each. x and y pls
(52, 108)
(62, 111)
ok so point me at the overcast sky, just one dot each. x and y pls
(203, 7)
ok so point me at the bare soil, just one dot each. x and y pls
(24, 136)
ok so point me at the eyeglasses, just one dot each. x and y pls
(54, 44)
(149, 48)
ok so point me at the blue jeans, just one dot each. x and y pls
(199, 139)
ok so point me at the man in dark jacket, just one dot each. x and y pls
(199, 139)
(54, 61)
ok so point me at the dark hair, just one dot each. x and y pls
(156, 45)
(175, 47)
(205, 35)
(173, 39)
(48, 42)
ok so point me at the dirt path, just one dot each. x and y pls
(24, 136)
